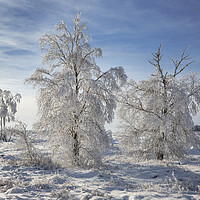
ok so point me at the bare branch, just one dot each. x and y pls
(156, 61)
(178, 64)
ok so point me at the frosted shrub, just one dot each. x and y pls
(30, 154)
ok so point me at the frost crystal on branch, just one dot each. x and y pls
(75, 98)
(156, 114)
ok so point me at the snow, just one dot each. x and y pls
(119, 178)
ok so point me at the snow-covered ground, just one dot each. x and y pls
(119, 178)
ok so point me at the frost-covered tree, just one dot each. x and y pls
(8, 109)
(156, 114)
(75, 98)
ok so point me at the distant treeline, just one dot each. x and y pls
(197, 128)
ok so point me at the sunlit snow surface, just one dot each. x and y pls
(119, 178)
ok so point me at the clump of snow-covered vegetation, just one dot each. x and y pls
(70, 155)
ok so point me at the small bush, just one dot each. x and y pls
(30, 154)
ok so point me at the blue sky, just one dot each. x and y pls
(126, 30)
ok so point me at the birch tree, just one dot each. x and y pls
(156, 114)
(75, 98)
(8, 109)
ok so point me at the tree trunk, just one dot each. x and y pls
(76, 148)
(4, 129)
(76, 144)
(76, 139)
(75, 134)
(1, 129)
(160, 153)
